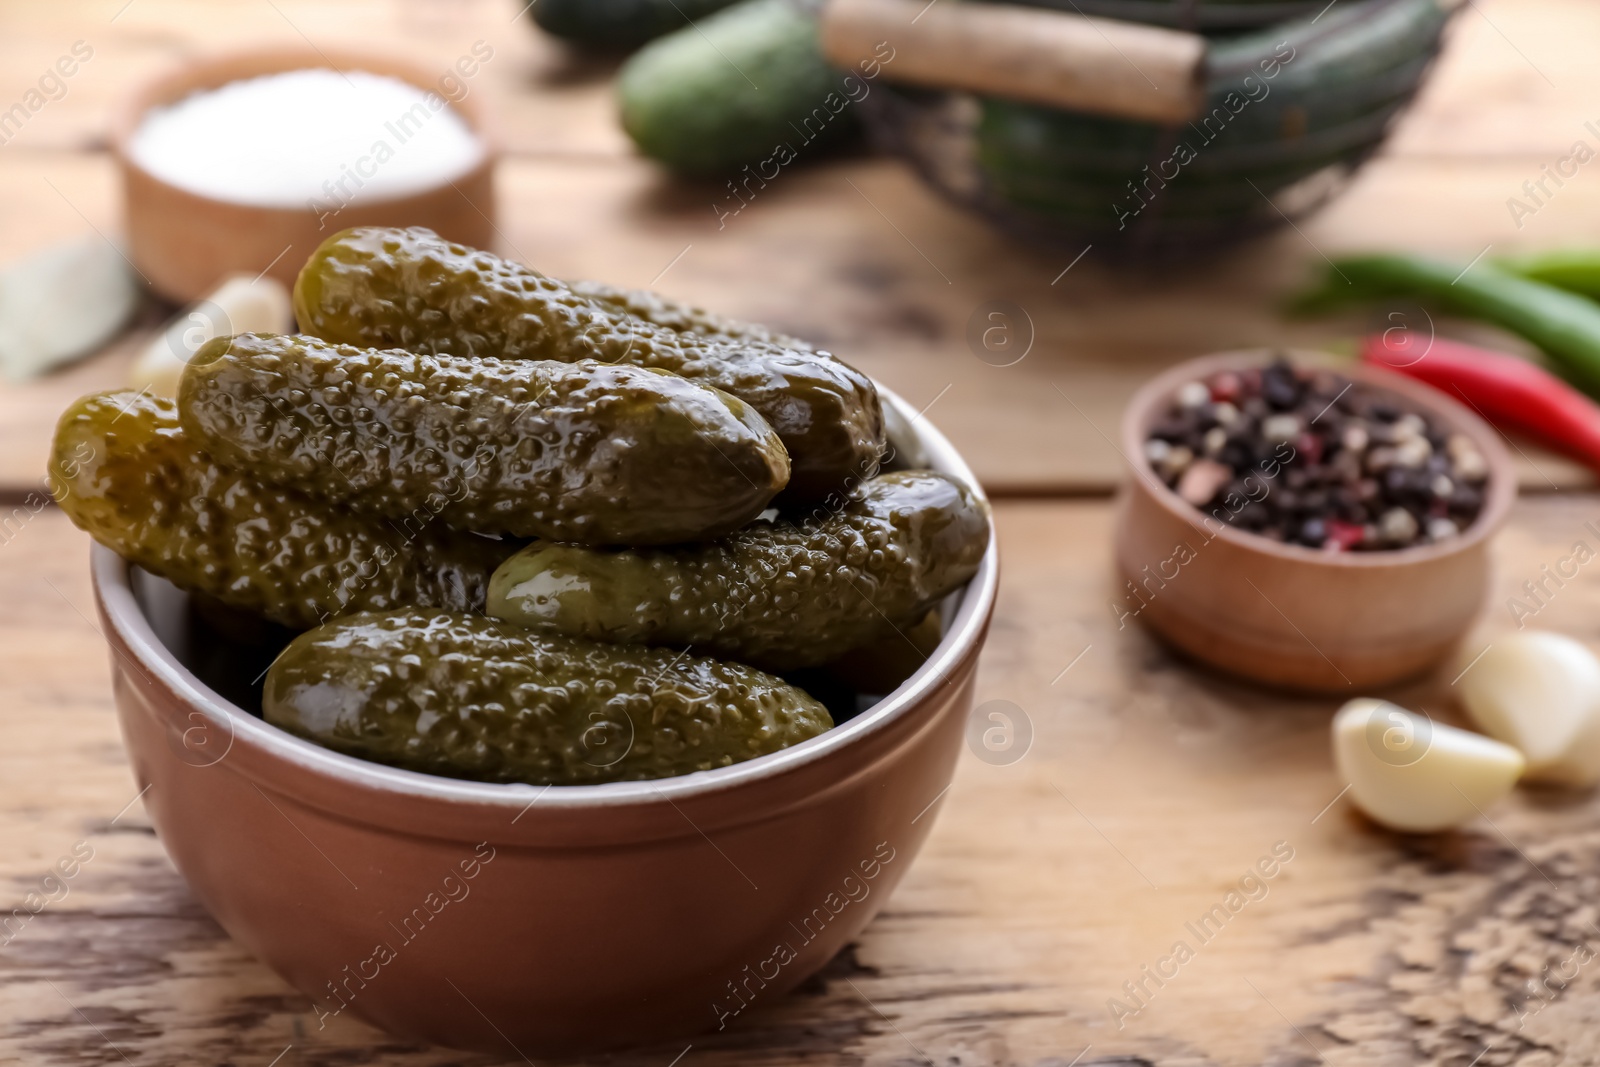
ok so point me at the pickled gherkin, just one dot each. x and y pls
(583, 452)
(682, 318)
(414, 290)
(124, 471)
(466, 697)
(780, 595)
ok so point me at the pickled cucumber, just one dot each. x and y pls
(466, 697)
(579, 452)
(683, 318)
(779, 594)
(123, 470)
(414, 290)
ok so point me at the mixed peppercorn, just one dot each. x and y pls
(1310, 457)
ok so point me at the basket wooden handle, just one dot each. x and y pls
(1071, 61)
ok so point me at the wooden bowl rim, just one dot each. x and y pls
(1501, 483)
(215, 69)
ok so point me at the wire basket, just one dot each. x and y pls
(1265, 151)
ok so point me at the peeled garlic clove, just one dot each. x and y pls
(1540, 692)
(241, 304)
(1415, 775)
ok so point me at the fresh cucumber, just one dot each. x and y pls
(1210, 15)
(1055, 142)
(1345, 45)
(1306, 99)
(618, 25)
(748, 85)
(1322, 80)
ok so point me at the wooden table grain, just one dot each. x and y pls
(1053, 887)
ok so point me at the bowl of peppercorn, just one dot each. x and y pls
(1310, 525)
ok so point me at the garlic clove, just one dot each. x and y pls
(63, 303)
(240, 304)
(1415, 775)
(1540, 692)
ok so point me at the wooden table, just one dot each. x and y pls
(1149, 787)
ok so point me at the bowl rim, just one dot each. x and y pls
(1501, 482)
(111, 578)
(218, 67)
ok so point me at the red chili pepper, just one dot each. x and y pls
(1509, 392)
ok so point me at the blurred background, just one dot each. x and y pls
(846, 245)
(1008, 267)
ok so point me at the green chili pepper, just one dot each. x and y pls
(1565, 326)
(1576, 270)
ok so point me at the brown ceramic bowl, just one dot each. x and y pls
(1288, 615)
(186, 244)
(526, 920)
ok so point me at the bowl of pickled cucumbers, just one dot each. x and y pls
(485, 560)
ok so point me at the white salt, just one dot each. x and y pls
(307, 136)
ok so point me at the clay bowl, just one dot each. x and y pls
(185, 244)
(1287, 615)
(534, 921)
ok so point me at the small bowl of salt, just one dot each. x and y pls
(243, 163)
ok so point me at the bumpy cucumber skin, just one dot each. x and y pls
(583, 452)
(614, 25)
(683, 318)
(466, 697)
(780, 595)
(411, 289)
(733, 90)
(123, 470)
